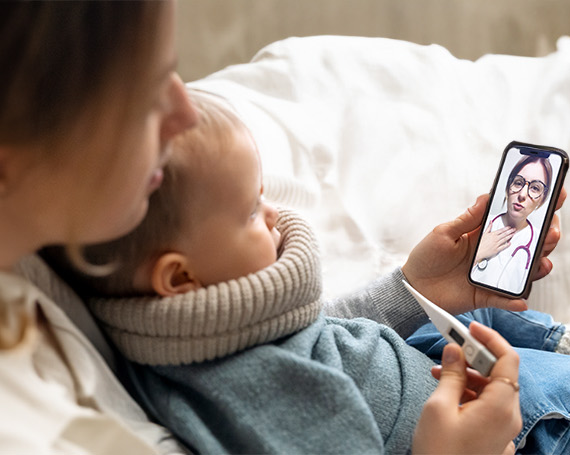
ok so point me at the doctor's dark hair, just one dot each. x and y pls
(173, 209)
(59, 60)
(545, 162)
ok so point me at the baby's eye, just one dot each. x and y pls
(253, 214)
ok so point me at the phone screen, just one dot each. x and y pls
(520, 210)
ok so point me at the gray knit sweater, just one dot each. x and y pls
(225, 318)
(329, 386)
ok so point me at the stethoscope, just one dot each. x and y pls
(525, 248)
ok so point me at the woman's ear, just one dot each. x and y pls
(171, 275)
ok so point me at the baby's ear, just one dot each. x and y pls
(171, 275)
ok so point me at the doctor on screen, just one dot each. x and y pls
(505, 251)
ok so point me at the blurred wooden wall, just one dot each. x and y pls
(215, 33)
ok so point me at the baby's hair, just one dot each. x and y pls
(170, 206)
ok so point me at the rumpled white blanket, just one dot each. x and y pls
(377, 141)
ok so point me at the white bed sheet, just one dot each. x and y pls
(377, 141)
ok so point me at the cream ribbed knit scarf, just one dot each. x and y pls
(225, 318)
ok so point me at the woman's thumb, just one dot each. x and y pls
(471, 219)
(510, 449)
(453, 377)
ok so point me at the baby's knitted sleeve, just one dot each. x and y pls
(384, 300)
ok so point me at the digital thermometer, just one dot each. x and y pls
(477, 355)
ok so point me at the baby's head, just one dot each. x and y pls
(206, 224)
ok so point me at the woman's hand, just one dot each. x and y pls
(489, 415)
(438, 266)
(493, 242)
(552, 239)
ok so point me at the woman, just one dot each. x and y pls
(503, 258)
(89, 105)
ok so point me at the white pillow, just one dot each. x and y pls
(377, 141)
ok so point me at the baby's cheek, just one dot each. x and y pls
(276, 235)
(269, 253)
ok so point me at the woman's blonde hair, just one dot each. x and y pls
(59, 61)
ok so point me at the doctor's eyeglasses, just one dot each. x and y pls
(535, 188)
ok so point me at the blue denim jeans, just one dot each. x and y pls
(544, 376)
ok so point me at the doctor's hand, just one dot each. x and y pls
(493, 242)
(488, 419)
(438, 266)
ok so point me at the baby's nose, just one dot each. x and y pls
(271, 215)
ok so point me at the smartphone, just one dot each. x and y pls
(521, 206)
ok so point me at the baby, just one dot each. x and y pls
(209, 222)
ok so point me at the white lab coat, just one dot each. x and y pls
(506, 271)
